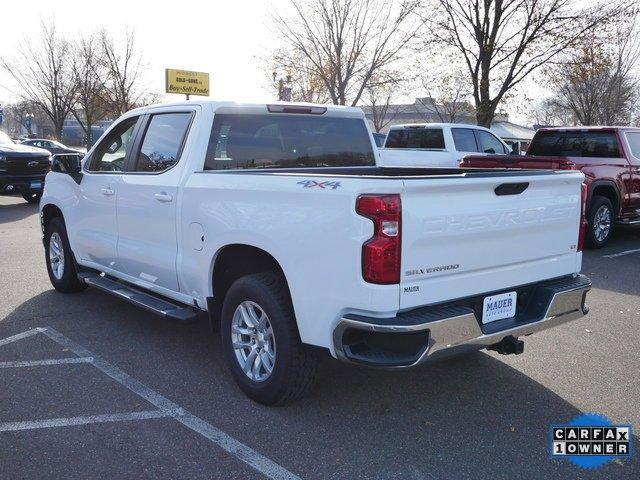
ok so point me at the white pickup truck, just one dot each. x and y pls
(277, 221)
(438, 144)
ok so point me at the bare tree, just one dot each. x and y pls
(43, 75)
(597, 82)
(16, 115)
(502, 42)
(448, 95)
(547, 112)
(90, 103)
(346, 42)
(380, 109)
(296, 72)
(123, 72)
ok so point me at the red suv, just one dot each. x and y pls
(609, 157)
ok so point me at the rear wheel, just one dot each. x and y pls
(600, 220)
(60, 265)
(261, 342)
(32, 197)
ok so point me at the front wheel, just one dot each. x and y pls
(32, 197)
(261, 342)
(600, 220)
(60, 265)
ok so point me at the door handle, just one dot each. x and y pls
(108, 191)
(163, 197)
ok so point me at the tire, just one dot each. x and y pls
(32, 197)
(62, 274)
(600, 219)
(294, 365)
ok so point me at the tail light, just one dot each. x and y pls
(583, 219)
(381, 253)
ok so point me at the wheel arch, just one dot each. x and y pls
(48, 213)
(232, 262)
(608, 189)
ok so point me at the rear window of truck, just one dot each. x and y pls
(241, 141)
(428, 138)
(575, 144)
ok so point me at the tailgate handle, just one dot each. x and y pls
(511, 188)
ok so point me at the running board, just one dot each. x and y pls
(631, 221)
(149, 302)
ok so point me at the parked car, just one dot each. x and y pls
(22, 169)
(379, 138)
(278, 221)
(438, 144)
(608, 156)
(51, 145)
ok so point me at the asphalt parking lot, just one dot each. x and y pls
(91, 387)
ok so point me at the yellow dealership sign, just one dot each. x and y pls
(187, 82)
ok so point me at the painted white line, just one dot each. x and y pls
(83, 420)
(242, 452)
(20, 336)
(39, 363)
(626, 252)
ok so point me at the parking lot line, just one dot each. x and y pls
(166, 408)
(620, 254)
(38, 363)
(82, 420)
(20, 336)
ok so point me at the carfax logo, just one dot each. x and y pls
(590, 440)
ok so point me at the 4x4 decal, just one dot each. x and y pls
(314, 183)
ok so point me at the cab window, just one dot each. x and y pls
(427, 138)
(163, 140)
(464, 139)
(489, 143)
(110, 154)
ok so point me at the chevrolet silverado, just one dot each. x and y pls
(279, 222)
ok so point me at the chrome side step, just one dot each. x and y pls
(156, 305)
(631, 221)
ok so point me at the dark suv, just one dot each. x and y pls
(22, 169)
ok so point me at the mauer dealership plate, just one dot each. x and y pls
(497, 307)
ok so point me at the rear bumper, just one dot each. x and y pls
(10, 184)
(430, 333)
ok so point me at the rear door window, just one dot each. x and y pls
(427, 138)
(489, 143)
(240, 141)
(464, 140)
(163, 142)
(634, 143)
(575, 144)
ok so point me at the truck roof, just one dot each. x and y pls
(334, 110)
(587, 129)
(435, 125)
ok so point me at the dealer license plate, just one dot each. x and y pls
(497, 307)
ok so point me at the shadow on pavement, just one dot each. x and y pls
(470, 417)
(17, 211)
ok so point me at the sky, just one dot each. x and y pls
(225, 38)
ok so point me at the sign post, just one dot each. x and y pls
(186, 82)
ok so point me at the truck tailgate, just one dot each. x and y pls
(461, 238)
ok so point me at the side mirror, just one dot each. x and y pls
(67, 163)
